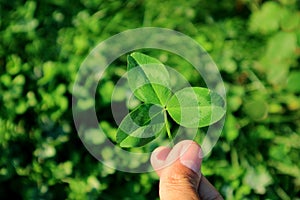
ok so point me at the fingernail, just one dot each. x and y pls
(191, 157)
(161, 153)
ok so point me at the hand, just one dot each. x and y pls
(179, 172)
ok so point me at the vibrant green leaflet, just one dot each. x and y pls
(141, 126)
(148, 79)
(195, 107)
(190, 107)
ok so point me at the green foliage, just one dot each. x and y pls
(191, 107)
(255, 44)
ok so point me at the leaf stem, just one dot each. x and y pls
(167, 127)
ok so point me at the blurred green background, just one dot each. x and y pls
(255, 43)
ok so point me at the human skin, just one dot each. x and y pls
(179, 171)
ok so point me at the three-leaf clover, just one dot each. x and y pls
(190, 107)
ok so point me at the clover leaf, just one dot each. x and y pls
(190, 107)
(148, 79)
(141, 126)
(195, 107)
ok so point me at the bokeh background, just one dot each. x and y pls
(255, 44)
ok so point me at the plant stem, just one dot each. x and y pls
(168, 128)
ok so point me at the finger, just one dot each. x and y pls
(187, 153)
(158, 158)
(207, 191)
(180, 171)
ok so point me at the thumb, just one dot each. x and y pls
(179, 170)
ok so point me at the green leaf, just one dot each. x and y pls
(261, 109)
(148, 79)
(293, 81)
(231, 128)
(194, 107)
(282, 46)
(279, 56)
(266, 20)
(141, 126)
(289, 20)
